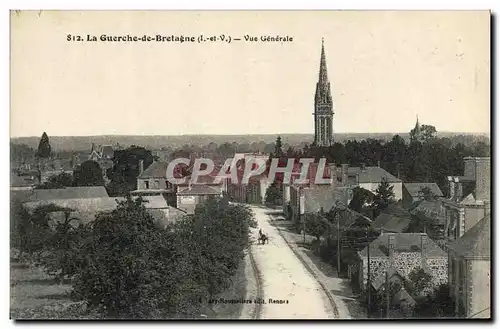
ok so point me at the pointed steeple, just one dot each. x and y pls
(323, 93)
(417, 126)
(323, 73)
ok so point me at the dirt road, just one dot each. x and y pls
(289, 290)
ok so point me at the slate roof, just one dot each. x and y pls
(86, 209)
(16, 181)
(107, 151)
(199, 190)
(380, 280)
(403, 296)
(433, 210)
(414, 188)
(157, 169)
(372, 175)
(69, 193)
(393, 219)
(404, 242)
(475, 243)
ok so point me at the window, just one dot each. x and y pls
(157, 184)
(146, 184)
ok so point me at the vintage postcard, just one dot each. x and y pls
(250, 165)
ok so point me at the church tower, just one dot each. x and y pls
(323, 106)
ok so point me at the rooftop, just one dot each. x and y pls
(414, 188)
(393, 219)
(16, 181)
(69, 193)
(157, 169)
(199, 190)
(403, 242)
(430, 209)
(476, 242)
(372, 175)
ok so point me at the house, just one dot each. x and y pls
(469, 199)
(368, 178)
(412, 192)
(470, 271)
(393, 219)
(103, 155)
(404, 253)
(253, 191)
(314, 194)
(188, 197)
(153, 180)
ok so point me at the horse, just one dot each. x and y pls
(263, 238)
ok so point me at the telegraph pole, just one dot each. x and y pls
(369, 281)
(338, 242)
(387, 294)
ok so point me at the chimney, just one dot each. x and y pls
(423, 243)
(451, 187)
(141, 166)
(344, 167)
(458, 189)
(487, 207)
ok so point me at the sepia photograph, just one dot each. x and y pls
(250, 165)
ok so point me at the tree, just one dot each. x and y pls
(88, 174)
(316, 224)
(360, 198)
(438, 304)
(130, 266)
(384, 195)
(274, 194)
(278, 152)
(44, 149)
(428, 133)
(421, 282)
(125, 169)
(61, 180)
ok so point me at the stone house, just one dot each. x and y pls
(470, 271)
(403, 252)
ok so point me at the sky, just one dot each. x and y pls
(385, 68)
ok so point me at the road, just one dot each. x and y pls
(283, 277)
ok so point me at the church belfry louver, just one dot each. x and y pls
(323, 106)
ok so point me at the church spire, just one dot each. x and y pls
(323, 94)
(323, 105)
(323, 73)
